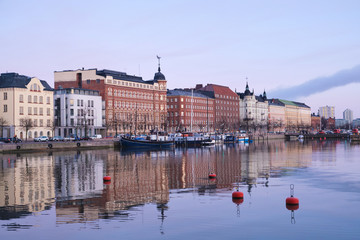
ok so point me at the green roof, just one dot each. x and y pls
(286, 102)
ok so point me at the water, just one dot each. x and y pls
(168, 195)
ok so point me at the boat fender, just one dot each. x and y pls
(18, 147)
(78, 144)
(50, 145)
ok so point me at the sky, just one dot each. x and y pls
(306, 51)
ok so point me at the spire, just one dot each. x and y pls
(159, 70)
(264, 94)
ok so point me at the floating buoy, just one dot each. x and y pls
(107, 178)
(292, 200)
(320, 139)
(238, 201)
(292, 207)
(324, 138)
(212, 175)
(237, 195)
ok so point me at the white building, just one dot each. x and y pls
(327, 112)
(348, 115)
(253, 109)
(77, 111)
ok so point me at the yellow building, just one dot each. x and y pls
(296, 115)
(25, 99)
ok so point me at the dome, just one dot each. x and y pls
(247, 91)
(159, 75)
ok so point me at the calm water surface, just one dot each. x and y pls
(167, 194)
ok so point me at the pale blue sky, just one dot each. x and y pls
(276, 44)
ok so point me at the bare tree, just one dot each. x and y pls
(26, 124)
(53, 125)
(3, 123)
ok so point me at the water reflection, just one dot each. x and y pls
(73, 180)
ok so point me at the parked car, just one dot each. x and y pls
(86, 138)
(97, 136)
(5, 140)
(72, 137)
(41, 139)
(57, 138)
(321, 132)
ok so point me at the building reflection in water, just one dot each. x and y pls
(27, 184)
(30, 183)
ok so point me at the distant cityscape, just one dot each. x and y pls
(85, 102)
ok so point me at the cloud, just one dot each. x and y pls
(319, 85)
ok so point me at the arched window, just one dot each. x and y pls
(30, 134)
(41, 133)
(35, 134)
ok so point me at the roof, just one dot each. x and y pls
(14, 80)
(282, 102)
(182, 92)
(119, 75)
(218, 89)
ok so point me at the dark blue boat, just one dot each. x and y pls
(142, 143)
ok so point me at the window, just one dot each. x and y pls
(48, 123)
(29, 111)
(5, 95)
(35, 123)
(41, 123)
(21, 98)
(29, 99)
(78, 102)
(48, 111)
(35, 99)
(41, 99)
(41, 111)
(5, 108)
(71, 112)
(71, 101)
(47, 100)
(88, 81)
(35, 111)
(21, 110)
(82, 102)
(92, 103)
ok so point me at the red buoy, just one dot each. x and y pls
(107, 182)
(238, 201)
(237, 195)
(324, 138)
(292, 207)
(107, 178)
(292, 201)
(212, 175)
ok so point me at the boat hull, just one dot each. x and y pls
(131, 143)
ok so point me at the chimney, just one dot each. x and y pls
(79, 80)
(198, 86)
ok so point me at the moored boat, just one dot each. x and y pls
(143, 143)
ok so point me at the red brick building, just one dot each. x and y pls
(130, 104)
(315, 122)
(226, 110)
(189, 110)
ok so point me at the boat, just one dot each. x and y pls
(243, 138)
(230, 139)
(190, 139)
(154, 141)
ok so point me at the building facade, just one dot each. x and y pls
(226, 106)
(276, 118)
(77, 111)
(131, 104)
(27, 106)
(297, 115)
(327, 112)
(315, 122)
(348, 115)
(189, 110)
(253, 109)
